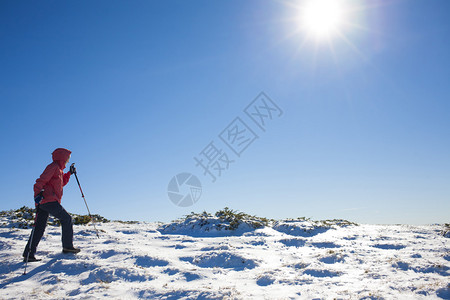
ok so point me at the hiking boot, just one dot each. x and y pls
(71, 250)
(31, 258)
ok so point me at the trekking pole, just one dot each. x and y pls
(31, 241)
(82, 195)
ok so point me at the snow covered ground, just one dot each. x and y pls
(199, 260)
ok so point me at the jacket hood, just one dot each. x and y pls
(60, 156)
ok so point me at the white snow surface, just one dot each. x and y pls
(285, 260)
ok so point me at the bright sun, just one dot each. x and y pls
(322, 18)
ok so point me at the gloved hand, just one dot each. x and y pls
(39, 197)
(72, 169)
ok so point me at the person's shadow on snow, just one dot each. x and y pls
(54, 264)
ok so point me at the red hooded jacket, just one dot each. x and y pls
(53, 178)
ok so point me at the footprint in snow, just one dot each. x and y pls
(188, 276)
(325, 245)
(187, 241)
(293, 242)
(147, 262)
(191, 276)
(50, 280)
(221, 260)
(177, 246)
(299, 266)
(438, 269)
(3, 246)
(320, 273)
(129, 231)
(171, 271)
(444, 293)
(401, 265)
(74, 293)
(389, 246)
(257, 243)
(106, 254)
(70, 268)
(224, 247)
(111, 242)
(265, 280)
(108, 276)
(332, 259)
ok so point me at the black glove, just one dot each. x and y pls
(39, 197)
(72, 169)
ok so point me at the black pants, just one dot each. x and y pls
(56, 210)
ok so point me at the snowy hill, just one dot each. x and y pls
(229, 255)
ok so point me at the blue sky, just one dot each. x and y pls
(136, 89)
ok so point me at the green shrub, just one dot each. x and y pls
(235, 219)
(24, 218)
(81, 220)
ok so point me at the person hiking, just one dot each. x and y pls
(48, 191)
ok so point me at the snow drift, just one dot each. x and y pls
(230, 255)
